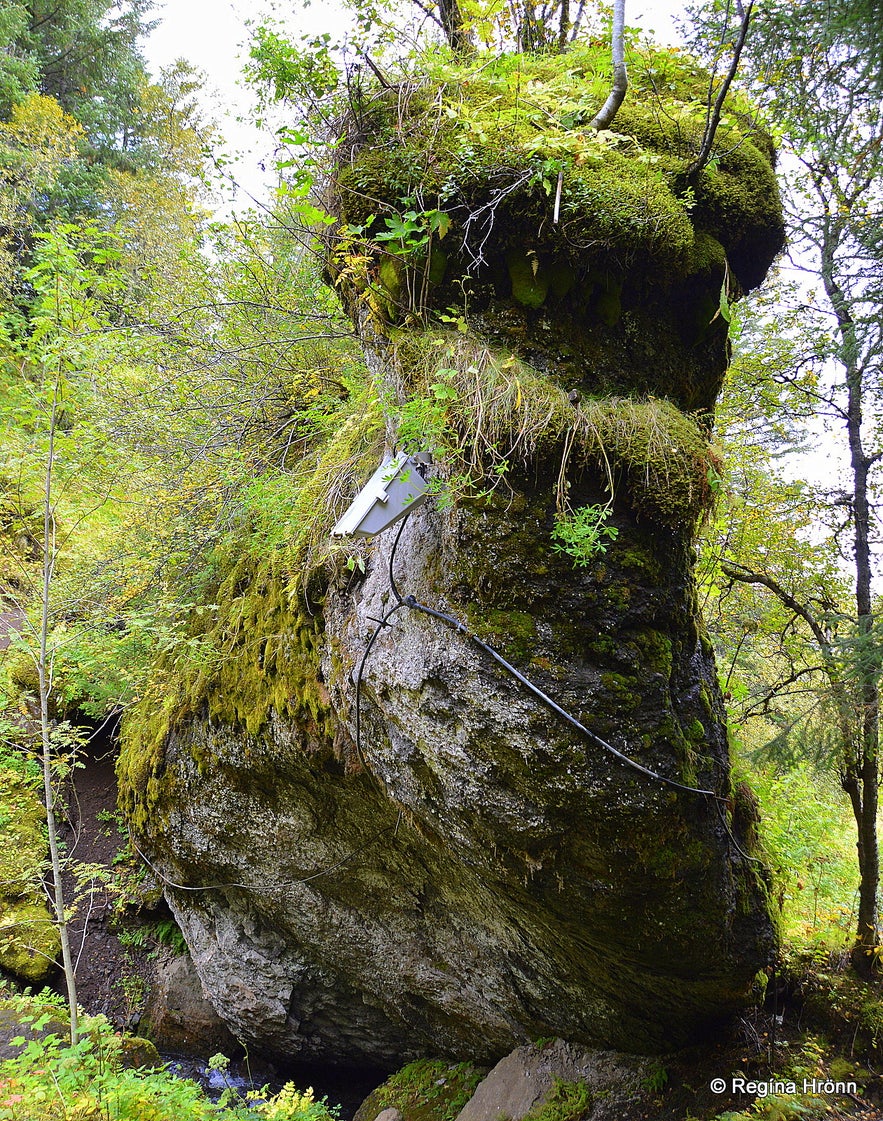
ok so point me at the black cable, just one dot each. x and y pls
(414, 604)
(410, 601)
(383, 622)
(725, 823)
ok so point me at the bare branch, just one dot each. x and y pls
(711, 125)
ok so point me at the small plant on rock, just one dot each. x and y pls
(582, 534)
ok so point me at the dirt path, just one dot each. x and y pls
(12, 620)
(109, 975)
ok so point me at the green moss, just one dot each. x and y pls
(608, 304)
(514, 632)
(29, 943)
(530, 282)
(562, 278)
(389, 273)
(257, 652)
(655, 652)
(138, 1053)
(683, 858)
(705, 701)
(708, 255)
(22, 672)
(604, 646)
(476, 137)
(622, 692)
(695, 731)
(663, 454)
(425, 1090)
(659, 455)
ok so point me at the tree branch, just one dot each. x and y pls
(711, 125)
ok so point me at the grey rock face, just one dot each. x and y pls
(478, 873)
(178, 1017)
(525, 1078)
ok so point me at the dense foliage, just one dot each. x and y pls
(204, 444)
(117, 1079)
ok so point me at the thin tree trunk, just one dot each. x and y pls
(615, 98)
(716, 109)
(45, 685)
(868, 657)
(454, 29)
(868, 934)
(564, 24)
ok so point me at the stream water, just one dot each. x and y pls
(343, 1087)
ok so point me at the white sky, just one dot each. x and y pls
(212, 35)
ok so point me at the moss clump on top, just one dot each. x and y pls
(485, 140)
(668, 464)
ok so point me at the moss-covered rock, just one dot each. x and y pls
(29, 944)
(253, 657)
(396, 849)
(424, 1090)
(473, 872)
(29, 1019)
(138, 1053)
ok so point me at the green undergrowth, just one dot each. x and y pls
(833, 1000)
(252, 649)
(483, 410)
(567, 1101)
(482, 141)
(809, 1079)
(808, 836)
(50, 1080)
(425, 1090)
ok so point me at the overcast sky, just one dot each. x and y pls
(212, 35)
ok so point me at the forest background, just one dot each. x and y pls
(167, 374)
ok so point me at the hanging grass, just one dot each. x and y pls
(497, 410)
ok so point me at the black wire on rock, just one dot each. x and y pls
(415, 605)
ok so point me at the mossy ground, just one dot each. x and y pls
(818, 1024)
(425, 1090)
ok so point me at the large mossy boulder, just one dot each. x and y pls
(434, 862)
